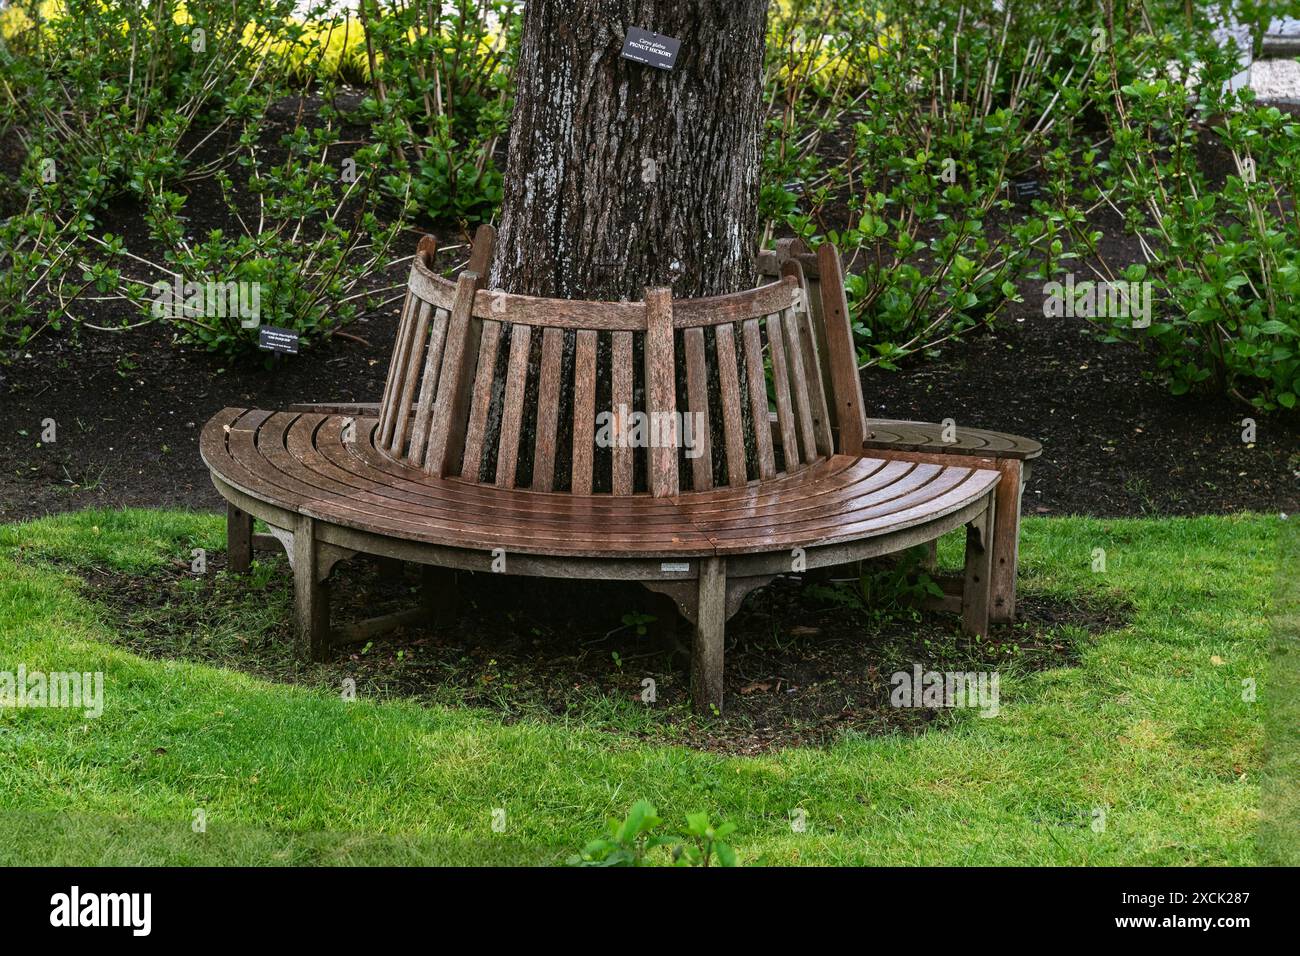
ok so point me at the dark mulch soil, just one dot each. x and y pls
(804, 666)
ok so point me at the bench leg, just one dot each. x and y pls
(438, 594)
(977, 590)
(710, 627)
(1006, 541)
(311, 596)
(239, 540)
(930, 559)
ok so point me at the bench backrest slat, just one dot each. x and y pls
(697, 400)
(484, 374)
(621, 379)
(512, 410)
(729, 395)
(661, 393)
(548, 409)
(822, 275)
(757, 379)
(584, 411)
(428, 385)
(455, 381)
(386, 404)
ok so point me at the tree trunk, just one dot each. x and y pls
(621, 175)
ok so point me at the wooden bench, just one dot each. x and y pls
(490, 450)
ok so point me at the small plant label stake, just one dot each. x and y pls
(652, 49)
(277, 340)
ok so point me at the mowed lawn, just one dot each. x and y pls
(1146, 752)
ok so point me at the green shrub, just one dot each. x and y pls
(441, 96)
(99, 98)
(100, 95)
(948, 105)
(1222, 253)
(317, 238)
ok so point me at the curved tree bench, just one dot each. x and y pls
(488, 452)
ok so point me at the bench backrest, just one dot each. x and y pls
(506, 389)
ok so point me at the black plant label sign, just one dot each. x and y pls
(277, 340)
(652, 49)
(1028, 189)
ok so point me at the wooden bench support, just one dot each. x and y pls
(437, 605)
(710, 625)
(267, 542)
(239, 540)
(311, 596)
(1006, 539)
(977, 592)
(373, 627)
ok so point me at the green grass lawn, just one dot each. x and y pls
(1149, 732)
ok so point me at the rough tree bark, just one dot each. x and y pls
(620, 175)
